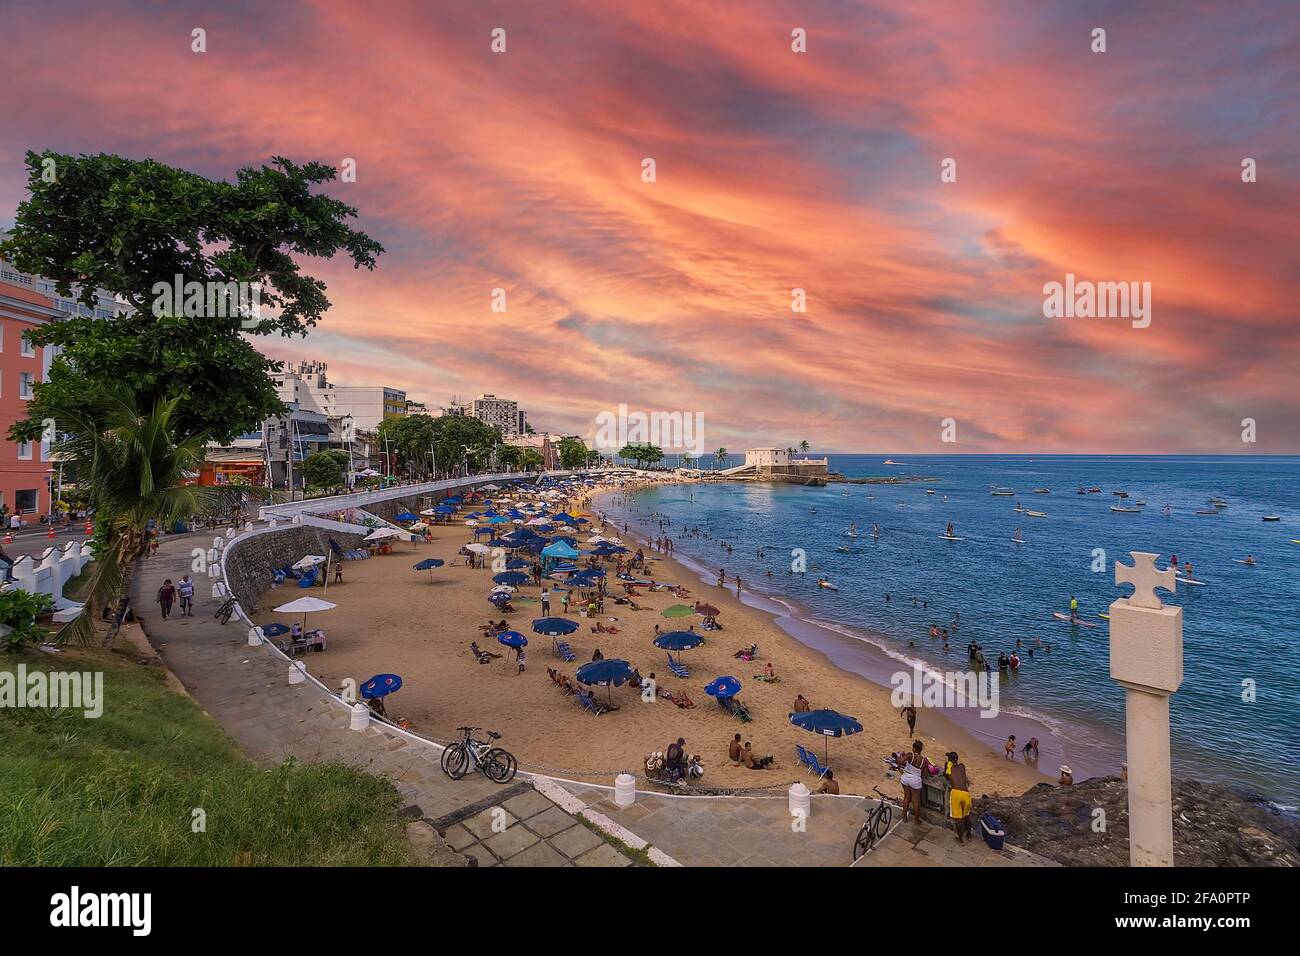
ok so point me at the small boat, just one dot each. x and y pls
(1140, 502)
(1035, 514)
(1042, 491)
(1094, 491)
(1131, 511)
(1212, 511)
(929, 491)
(1003, 492)
(1120, 494)
(1271, 518)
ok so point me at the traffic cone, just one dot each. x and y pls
(9, 537)
(89, 529)
(50, 533)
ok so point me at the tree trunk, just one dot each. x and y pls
(133, 549)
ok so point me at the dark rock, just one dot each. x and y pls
(1214, 825)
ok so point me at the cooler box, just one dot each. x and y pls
(992, 831)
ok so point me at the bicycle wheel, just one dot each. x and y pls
(864, 840)
(883, 818)
(455, 761)
(499, 765)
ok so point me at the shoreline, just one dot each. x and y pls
(861, 652)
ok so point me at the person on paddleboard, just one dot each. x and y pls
(1074, 608)
(1018, 536)
(949, 532)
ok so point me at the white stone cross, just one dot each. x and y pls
(1145, 578)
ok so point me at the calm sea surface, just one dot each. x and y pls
(1241, 629)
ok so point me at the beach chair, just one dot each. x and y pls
(678, 669)
(741, 711)
(815, 765)
(801, 755)
(564, 652)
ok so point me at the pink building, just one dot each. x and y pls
(24, 467)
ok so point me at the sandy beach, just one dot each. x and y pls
(393, 619)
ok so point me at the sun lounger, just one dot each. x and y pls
(678, 669)
(801, 755)
(740, 711)
(815, 765)
(564, 652)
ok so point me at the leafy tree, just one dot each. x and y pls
(125, 226)
(573, 452)
(132, 470)
(19, 610)
(509, 456)
(322, 470)
(803, 446)
(531, 460)
(721, 456)
(687, 460)
(641, 452)
(413, 439)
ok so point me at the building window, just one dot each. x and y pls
(29, 350)
(25, 501)
(24, 451)
(25, 382)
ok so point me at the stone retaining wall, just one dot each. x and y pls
(249, 561)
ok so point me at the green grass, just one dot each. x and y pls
(120, 790)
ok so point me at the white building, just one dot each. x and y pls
(767, 457)
(498, 413)
(308, 387)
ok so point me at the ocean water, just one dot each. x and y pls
(1241, 629)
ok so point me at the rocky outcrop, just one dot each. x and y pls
(1214, 825)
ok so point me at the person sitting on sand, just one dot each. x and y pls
(734, 749)
(747, 653)
(1066, 778)
(801, 705)
(755, 763)
(829, 784)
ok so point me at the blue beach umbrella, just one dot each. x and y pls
(559, 549)
(428, 564)
(275, 630)
(407, 516)
(381, 685)
(611, 672)
(553, 626)
(512, 639)
(509, 577)
(514, 564)
(828, 723)
(721, 687)
(444, 510)
(679, 641)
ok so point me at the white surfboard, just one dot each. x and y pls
(950, 537)
(1061, 616)
(1249, 564)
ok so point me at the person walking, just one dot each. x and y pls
(166, 597)
(546, 602)
(186, 592)
(959, 798)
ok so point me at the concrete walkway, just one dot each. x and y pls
(246, 690)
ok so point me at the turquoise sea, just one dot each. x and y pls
(1241, 628)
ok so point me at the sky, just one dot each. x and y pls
(774, 170)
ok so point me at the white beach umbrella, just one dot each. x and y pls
(504, 589)
(471, 521)
(308, 561)
(380, 533)
(478, 548)
(430, 512)
(305, 606)
(490, 488)
(538, 521)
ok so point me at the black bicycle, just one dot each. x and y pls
(876, 827)
(226, 609)
(468, 753)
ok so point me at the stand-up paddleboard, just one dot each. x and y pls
(1183, 580)
(1035, 514)
(950, 537)
(1271, 518)
(1130, 511)
(1062, 616)
(1104, 617)
(1018, 540)
(1249, 564)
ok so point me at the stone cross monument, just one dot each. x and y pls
(1146, 659)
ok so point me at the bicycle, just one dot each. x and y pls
(226, 609)
(467, 754)
(876, 827)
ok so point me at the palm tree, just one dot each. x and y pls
(721, 456)
(131, 469)
(803, 446)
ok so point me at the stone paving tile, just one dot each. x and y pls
(575, 841)
(511, 841)
(458, 837)
(550, 822)
(527, 804)
(603, 855)
(539, 854)
(480, 853)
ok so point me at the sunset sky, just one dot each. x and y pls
(775, 170)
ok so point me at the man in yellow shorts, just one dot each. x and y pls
(959, 798)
